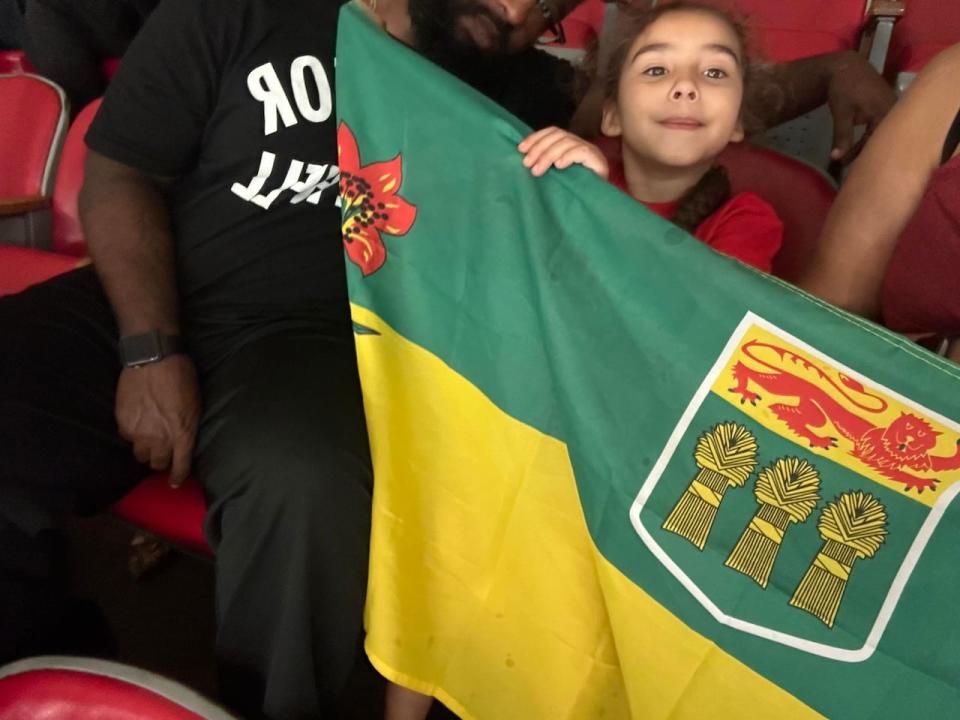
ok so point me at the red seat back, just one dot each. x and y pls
(927, 28)
(32, 125)
(784, 30)
(14, 61)
(67, 232)
(63, 688)
(800, 194)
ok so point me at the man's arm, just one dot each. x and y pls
(127, 226)
(883, 191)
(856, 93)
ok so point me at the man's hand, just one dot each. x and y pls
(857, 95)
(553, 147)
(158, 410)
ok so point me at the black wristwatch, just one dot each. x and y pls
(146, 348)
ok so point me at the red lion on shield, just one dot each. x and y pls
(892, 449)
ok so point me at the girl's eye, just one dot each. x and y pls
(655, 71)
(715, 73)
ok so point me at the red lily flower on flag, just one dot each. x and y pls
(370, 204)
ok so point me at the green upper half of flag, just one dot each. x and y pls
(582, 314)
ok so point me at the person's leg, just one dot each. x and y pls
(283, 456)
(59, 449)
(404, 704)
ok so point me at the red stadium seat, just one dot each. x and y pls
(173, 515)
(30, 138)
(68, 688)
(22, 267)
(927, 28)
(800, 194)
(14, 61)
(67, 234)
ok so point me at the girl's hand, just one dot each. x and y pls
(553, 147)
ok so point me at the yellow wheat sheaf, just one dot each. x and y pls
(853, 527)
(787, 490)
(726, 456)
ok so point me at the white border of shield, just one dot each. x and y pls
(906, 567)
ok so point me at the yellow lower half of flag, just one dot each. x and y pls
(486, 590)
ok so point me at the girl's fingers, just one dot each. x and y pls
(532, 138)
(539, 145)
(587, 156)
(550, 155)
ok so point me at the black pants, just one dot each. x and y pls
(282, 454)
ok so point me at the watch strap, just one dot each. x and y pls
(149, 347)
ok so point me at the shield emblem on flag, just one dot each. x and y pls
(795, 497)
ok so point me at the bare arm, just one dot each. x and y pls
(127, 225)
(883, 190)
(856, 93)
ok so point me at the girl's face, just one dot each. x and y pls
(680, 92)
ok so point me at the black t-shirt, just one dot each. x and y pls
(235, 99)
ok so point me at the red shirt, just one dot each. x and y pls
(920, 291)
(745, 227)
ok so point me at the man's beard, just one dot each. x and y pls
(437, 36)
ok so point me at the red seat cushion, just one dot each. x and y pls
(32, 125)
(174, 514)
(67, 232)
(22, 267)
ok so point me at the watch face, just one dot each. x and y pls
(140, 349)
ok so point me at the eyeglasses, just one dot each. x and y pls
(554, 34)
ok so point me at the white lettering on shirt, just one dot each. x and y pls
(305, 181)
(265, 86)
(252, 188)
(318, 179)
(298, 77)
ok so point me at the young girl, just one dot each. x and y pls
(674, 93)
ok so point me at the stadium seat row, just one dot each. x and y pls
(901, 35)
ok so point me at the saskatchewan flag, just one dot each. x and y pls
(617, 474)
